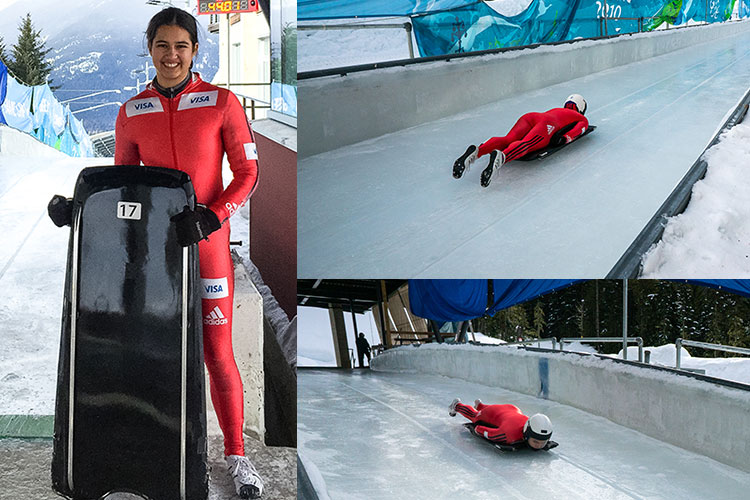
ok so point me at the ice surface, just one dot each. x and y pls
(32, 274)
(378, 435)
(389, 207)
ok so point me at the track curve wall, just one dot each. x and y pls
(698, 415)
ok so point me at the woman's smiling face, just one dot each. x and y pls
(172, 51)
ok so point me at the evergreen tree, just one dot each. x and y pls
(539, 321)
(3, 55)
(29, 64)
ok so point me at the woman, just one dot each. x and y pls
(182, 122)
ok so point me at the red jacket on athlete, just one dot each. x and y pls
(190, 133)
(501, 424)
(534, 131)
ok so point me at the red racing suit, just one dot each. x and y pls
(191, 132)
(535, 131)
(502, 424)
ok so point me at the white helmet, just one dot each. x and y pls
(579, 102)
(538, 427)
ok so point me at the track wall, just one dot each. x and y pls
(342, 110)
(700, 416)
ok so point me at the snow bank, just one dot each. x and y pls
(700, 416)
(368, 104)
(711, 238)
(16, 143)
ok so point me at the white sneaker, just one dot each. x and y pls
(247, 481)
(452, 413)
(477, 402)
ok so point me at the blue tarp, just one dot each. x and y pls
(460, 300)
(744, 8)
(17, 106)
(332, 9)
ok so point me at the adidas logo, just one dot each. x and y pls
(550, 128)
(215, 317)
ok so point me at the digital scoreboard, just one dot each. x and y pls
(227, 7)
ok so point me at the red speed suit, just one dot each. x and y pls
(191, 132)
(501, 424)
(534, 131)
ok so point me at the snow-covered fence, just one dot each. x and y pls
(695, 414)
(341, 110)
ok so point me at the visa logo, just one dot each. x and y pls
(143, 106)
(215, 288)
(198, 100)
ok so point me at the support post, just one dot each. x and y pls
(340, 343)
(408, 28)
(356, 330)
(387, 322)
(624, 319)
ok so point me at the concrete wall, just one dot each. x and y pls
(247, 341)
(336, 110)
(273, 212)
(700, 416)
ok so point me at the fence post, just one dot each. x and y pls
(408, 28)
(678, 345)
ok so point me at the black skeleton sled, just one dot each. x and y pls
(130, 407)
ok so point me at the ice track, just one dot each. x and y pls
(389, 206)
(381, 436)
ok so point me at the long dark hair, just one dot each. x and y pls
(172, 16)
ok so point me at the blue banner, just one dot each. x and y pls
(477, 27)
(332, 9)
(3, 88)
(17, 106)
(42, 99)
(46, 132)
(284, 98)
(744, 8)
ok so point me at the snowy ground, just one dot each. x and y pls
(32, 270)
(397, 426)
(395, 198)
(711, 238)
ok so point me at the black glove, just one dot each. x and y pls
(195, 225)
(60, 210)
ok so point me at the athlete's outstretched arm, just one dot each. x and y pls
(243, 160)
(578, 129)
(494, 434)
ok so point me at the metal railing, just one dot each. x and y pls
(534, 341)
(594, 340)
(244, 97)
(705, 345)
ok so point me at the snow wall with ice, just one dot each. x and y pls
(342, 110)
(707, 418)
